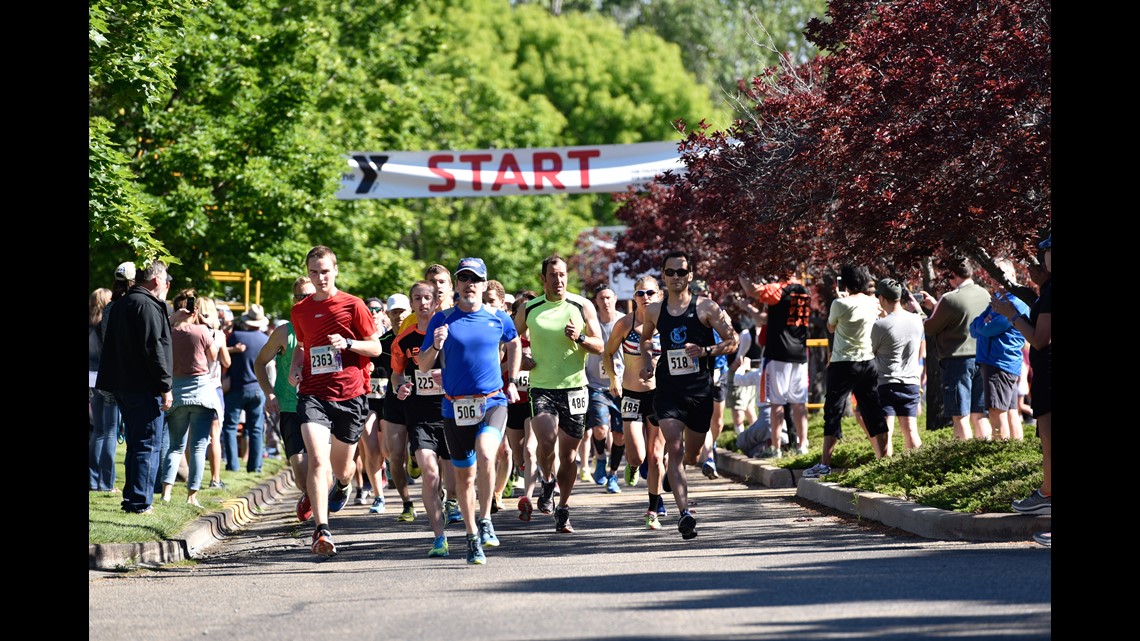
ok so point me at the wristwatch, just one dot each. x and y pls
(708, 350)
(581, 338)
(348, 343)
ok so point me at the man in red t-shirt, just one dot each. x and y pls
(336, 338)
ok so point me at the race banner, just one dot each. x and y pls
(507, 172)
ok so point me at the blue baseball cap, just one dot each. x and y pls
(1047, 243)
(473, 265)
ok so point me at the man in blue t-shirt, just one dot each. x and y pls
(468, 336)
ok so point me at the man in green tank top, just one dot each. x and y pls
(563, 328)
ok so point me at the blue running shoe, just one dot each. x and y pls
(451, 508)
(475, 555)
(661, 509)
(439, 547)
(687, 526)
(487, 534)
(338, 496)
(612, 485)
(600, 476)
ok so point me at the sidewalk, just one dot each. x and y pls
(928, 522)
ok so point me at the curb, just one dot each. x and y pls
(196, 537)
(927, 522)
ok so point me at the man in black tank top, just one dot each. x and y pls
(683, 402)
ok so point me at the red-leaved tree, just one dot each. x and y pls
(925, 132)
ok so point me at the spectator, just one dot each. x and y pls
(852, 367)
(195, 402)
(896, 342)
(218, 370)
(948, 327)
(1038, 331)
(136, 366)
(785, 372)
(244, 393)
(999, 360)
(103, 441)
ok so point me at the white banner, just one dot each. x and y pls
(507, 172)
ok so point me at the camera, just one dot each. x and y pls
(190, 304)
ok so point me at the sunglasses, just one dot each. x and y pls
(645, 292)
(375, 310)
(301, 296)
(676, 272)
(468, 277)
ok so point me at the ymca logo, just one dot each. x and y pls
(678, 335)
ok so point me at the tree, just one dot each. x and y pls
(235, 163)
(925, 132)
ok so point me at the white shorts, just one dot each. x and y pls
(785, 382)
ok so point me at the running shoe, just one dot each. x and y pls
(651, 520)
(600, 476)
(304, 508)
(509, 488)
(687, 526)
(643, 470)
(562, 520)
(323, 543)
(631, 475)
(487, 534)
(475, 554)
(1035, 503)
(709, 469)
(1044, 538)
(214, 484)
(377, 505)
(525, 508)
(661, 509)
(414, 470)
(362, 496)
(583, 473)
(438, 547)
(451, 508)
(612, 484)
(338, 495)
(817, 470)
(409, 513)
(546, 499)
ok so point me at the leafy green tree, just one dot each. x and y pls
(239, 160)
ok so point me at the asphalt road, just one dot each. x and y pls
(764, 566)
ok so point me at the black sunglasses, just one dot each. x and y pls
(301, 296)
(676, 272)
(376, 310)
(468, 277)
(645, 292)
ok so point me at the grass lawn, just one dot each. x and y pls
(109, 524)
(963, 476)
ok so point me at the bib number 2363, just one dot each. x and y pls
(324, 360)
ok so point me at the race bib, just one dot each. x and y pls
(680, 363)
(578, 401)
(469, 410)
(716, 376)
(324, 360)
(602, 369)
(523, 383)
(630, 408)
(425, 384)
(378, 387)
